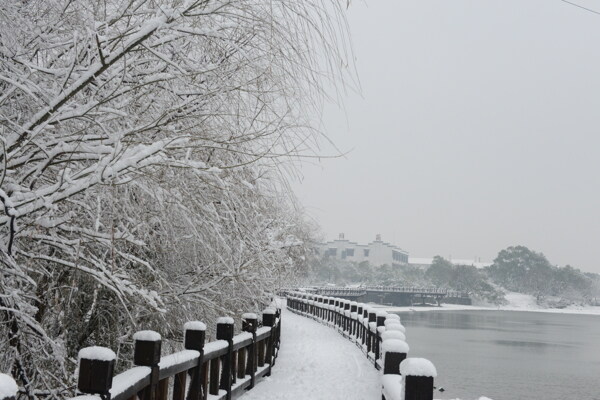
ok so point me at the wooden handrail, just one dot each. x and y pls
(232, 364)
(365, 327)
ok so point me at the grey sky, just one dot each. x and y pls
(478, 128)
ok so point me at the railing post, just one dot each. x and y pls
(346, 328)
(357, 323)
(331, 309)
(269, 320)
(394, 352)
(96, 367)
(341, 310)
(371, 336)
(194, 336)
(277, 338)
(249, 324)
(380, 321)
(225, 332)
(147, 353)
(381, 316)
(336, 306)
(318, 305)
(417, 378)
(353, 317)
(365, 323)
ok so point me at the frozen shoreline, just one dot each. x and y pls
(517, 302)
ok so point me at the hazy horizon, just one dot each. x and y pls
(476, 130)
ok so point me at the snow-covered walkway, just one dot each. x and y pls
(315, 362)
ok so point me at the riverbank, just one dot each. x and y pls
(516, 302)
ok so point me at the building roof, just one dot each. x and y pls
(365, 245)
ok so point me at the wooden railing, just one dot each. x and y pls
(221, 369)
(380, 336)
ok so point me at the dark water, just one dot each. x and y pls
(509, 355)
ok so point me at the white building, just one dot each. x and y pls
(376, 253)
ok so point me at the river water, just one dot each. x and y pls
(508, 355)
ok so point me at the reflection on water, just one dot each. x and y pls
(509, 355)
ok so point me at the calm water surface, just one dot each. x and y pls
(509, 355)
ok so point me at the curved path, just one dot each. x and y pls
(315, 362)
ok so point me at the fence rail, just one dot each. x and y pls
(379, 335)
(221, 369)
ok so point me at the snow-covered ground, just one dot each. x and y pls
(315, 362)
(516, 302)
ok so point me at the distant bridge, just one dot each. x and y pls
(395, 295)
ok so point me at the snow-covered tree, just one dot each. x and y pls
(142, 165)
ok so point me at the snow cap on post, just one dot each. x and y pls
(8, 387)
(147, 348)
(147, 336)
(393, 317)
(194, 335)
(194, 326)
(418, 367)
(395, 346)
(393, 335)
(396, 327)
(389, 322)
(96, 367)
(225, 320)
(97, 353)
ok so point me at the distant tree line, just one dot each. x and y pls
(516, 269)
(520, 269)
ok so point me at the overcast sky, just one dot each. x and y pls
(478, 128)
